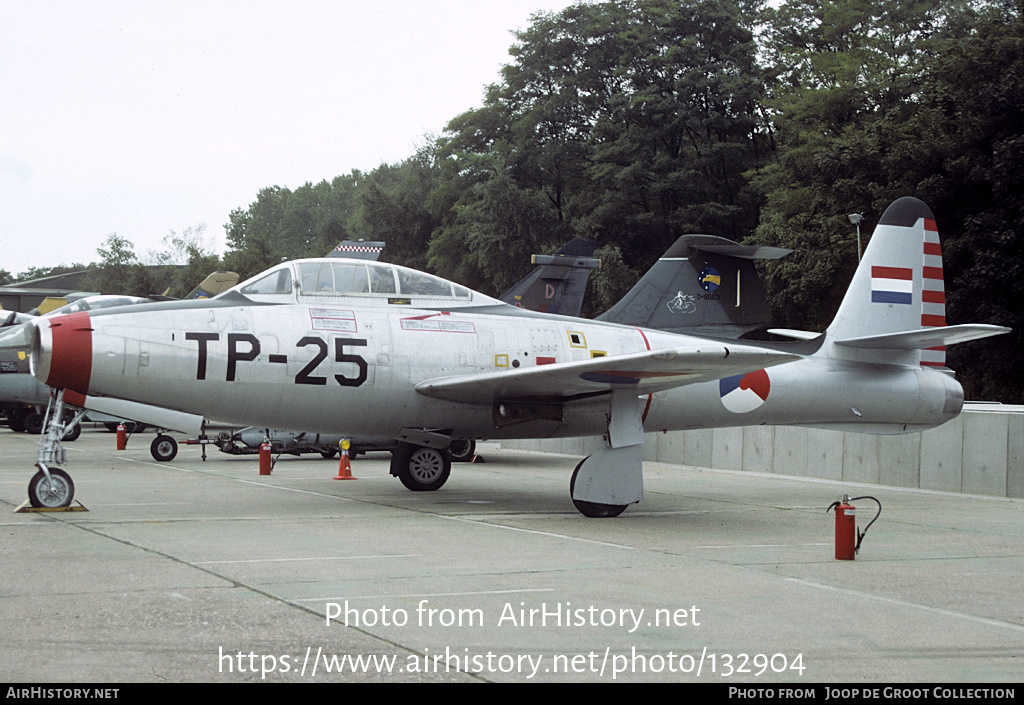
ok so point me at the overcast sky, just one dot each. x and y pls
(140, 117)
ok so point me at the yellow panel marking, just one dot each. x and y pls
(577, 339)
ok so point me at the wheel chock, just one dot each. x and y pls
(26, 507)
(477, 459)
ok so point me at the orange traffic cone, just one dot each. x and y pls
(344, 467)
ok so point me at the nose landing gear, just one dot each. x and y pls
(51, 487)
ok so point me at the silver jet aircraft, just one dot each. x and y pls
(365, 348)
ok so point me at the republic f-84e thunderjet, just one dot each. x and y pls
(366, 348)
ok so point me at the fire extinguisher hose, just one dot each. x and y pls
(860, 534)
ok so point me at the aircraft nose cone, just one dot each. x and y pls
(62, 351)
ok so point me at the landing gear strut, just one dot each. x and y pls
(51, 487)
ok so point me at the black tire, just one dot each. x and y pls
(419, 468)
(328, 452)
(462, 450)
(163, 448)
(72, 433)
(16, 420)
(34, 422)
(57, 493)
(593, 509)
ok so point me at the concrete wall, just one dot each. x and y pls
(979, 452)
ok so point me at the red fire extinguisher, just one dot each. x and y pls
(265, 460)
(848, 539)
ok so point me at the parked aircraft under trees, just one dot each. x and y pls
(369, 348)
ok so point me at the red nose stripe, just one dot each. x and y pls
(71, 358)
(74, 398)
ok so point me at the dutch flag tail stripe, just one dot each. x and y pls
(933, 292)
(892, 285)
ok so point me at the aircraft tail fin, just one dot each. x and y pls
(895, 308)
(358, 249)
(558, 282)
(702, 285)
(214, 284)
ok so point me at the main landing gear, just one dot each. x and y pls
(462, 450)
(593, 509)
(425, 469)
(420, 468)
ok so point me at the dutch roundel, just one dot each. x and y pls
(744, 393)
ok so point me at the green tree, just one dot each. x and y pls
(391, 205)
(633, 122)
(845, 76)
(488, 243)
(973, 109)
(285, 224)
(190, 257)
(873, 101)
(117, 271)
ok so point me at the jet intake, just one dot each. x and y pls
(62, 351)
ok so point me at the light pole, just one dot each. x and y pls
(855, 218)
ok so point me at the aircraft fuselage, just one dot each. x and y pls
(347, 369)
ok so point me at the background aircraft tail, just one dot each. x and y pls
(895, 308)
(703, 285)
(213, 285)
(558, 282)
(358, 249)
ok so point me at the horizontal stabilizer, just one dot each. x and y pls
(722, 246)
(924, 338)
(646, 372)
(795, 334)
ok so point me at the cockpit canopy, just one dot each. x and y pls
(341, 277)
(95, 303)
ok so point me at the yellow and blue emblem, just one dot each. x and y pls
(709, 279)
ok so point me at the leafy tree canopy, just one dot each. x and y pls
(635, 122)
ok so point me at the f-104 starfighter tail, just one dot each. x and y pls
(703, 285)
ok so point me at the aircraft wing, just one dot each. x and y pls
(646, 372)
